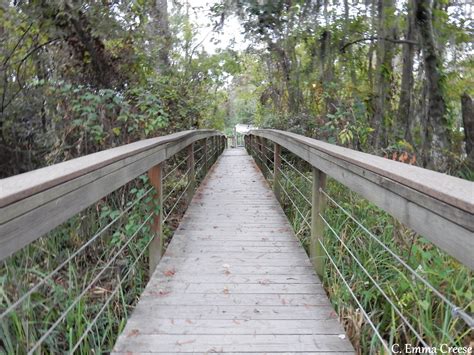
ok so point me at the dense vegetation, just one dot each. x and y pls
(371, 273)
(389, 77)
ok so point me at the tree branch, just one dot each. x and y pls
(392, 40)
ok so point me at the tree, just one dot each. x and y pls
(406, 105)
(382, 96)
(468, 123)
(160, 32)
(436, 144)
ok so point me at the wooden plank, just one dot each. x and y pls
(318, 202)
(159, 311)
(437, 206)
(226, 278)
(24, 185)
(155, 250)
(454, 191)
(245, 299)
(243, 327)
(233, 343)
(232, 280)
(237, 268)
(235, 288)
(276, 171)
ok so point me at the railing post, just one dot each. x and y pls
(259, 154)
(276, 171)
(191, 177)
(317, 225)
(206, 165)
(155, 249)
(215, 143)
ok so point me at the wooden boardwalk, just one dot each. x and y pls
(234, 278)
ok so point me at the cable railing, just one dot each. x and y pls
(364, 260)
(74, 290)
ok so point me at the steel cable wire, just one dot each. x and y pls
(455, 310)
(78, 298)
(64, 263)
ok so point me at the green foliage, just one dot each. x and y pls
(27, 323)
(429, 315)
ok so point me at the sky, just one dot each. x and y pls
(232, 30)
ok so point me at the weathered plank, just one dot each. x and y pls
(234, 343)
(244, 327)
(234, 278)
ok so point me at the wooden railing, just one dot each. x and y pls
(34, 203)
(437, 206)
(148, 184)
(363, 262)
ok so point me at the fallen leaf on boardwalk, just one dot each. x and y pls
(185, 342)
(226, 290)
(133, 333)
(189, 321)
(236, 321)
(170, 272)
(283, 301)
(308, 305)
(342, 336)
(226, 272)
(159, 293)
(226, 266)
(163, 292)
(256, 310)
(264, 282)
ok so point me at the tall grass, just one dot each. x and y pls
(129, 273)
(426, 312)
(27, 323)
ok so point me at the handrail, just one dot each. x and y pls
(435, 205)
(33, 203)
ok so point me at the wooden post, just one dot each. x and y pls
(155, 248)
(216, 148)
(191, 177)
(276, 171)
(206, 166)
(317, 225)
(260, 154)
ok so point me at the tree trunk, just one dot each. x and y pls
(383, 72)
(406, 107)
(436, 131)
(327, 70)
(161, 29)
(348, 57)
(468, 122)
